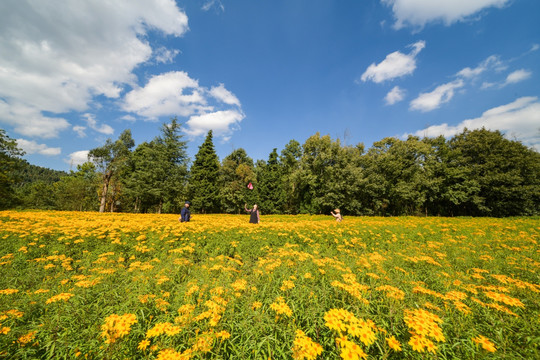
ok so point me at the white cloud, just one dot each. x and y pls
(58, 54)
(217, 4)
(92, 123)
(418, 13)
(176, 94)
(164, 55)
(77, 158)
(224, 95)
(433, 100)
(395, 95)
(29, 121)
(491, 63)
(222, 123)
(519, 119)
(394, 65)
(128, 118)
(32, 147)
(172, 93)
(517, 76)
(80, 130)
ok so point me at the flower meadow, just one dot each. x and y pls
(136, 286)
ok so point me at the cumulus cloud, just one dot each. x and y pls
(164, 55)
(519, 119)
(395, 95)
(395, 65)
(177, 94)
(222, 123)
(77, 158)
(418, 13)
(32, 147)
(224, 95)
(166, 94)
(517, 76)
(433, 100)
(58, 55)
(29, 121)
(93, 124)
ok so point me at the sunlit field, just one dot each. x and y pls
(124, 286)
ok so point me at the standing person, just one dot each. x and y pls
(337, 215)
(255, 216)
(185, 214)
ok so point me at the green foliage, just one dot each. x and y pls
(174, 165)
(270, 185)
(112, 160)
(157, 173)
(9, 163)
(290, 162)
(329, 176)
(237, 172)
(475, 173)
(505, 174)
(204, 189)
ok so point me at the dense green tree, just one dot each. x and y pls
(27, 173)
(271, 191)
(396, 177)
(112, 160)
(173, 160)
(40, 195)
(237, 172)
(504, 174)
(78, 190)
(330, 176)
(290, 170)
(204, 189)
(145, 182)
(156, 177)
(9, 163)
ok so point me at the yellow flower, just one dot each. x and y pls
(62, 296)
(223, 335)
(8, 291)
(25, 339)
(393, 343)
(117, 326)
(256, 305)
(280, 307)
(304, 347)
(143, 344)
(485, 342)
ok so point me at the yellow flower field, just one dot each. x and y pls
(131, 286)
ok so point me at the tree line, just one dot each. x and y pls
(474, 173)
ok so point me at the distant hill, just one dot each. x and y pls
(28, 173)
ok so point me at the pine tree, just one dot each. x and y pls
(204, 179)
(174, 160)
(271, 190)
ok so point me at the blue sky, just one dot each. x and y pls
(260, 73)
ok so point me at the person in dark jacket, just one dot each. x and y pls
(255, 216)
(185, 215)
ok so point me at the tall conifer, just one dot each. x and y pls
(204, 178)
(271, 189)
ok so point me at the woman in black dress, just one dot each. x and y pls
(255, 216)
